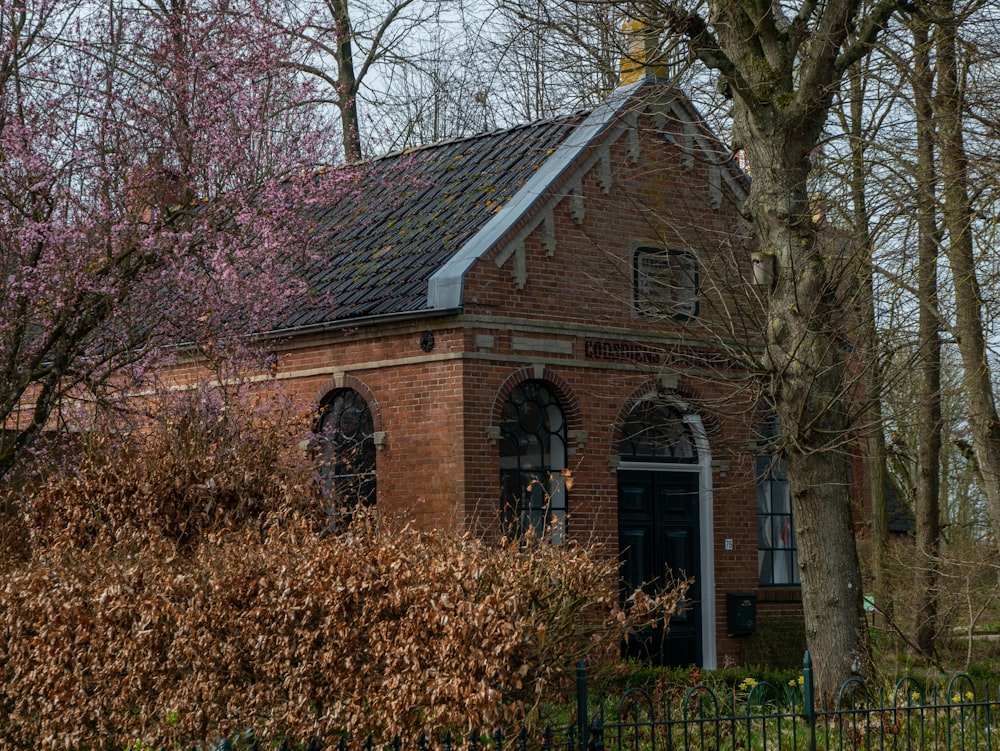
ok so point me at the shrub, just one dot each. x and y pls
(196, 462)
(380, 630)
(158, 607)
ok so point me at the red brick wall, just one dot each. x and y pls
(439, 410)
(416, 402)
(439, 462)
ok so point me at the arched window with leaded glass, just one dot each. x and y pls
(532, 460)
(656, 432)
(347, 450)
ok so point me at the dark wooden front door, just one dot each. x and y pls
(658, 534)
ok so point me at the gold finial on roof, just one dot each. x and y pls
(644, 56)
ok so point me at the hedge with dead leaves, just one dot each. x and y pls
(130, 620)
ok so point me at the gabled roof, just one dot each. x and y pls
(415, 222)
(409, 213)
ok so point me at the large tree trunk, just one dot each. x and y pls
(782, 65)
(807, 381)
(984, 423)
(783, 76)
(926, 500)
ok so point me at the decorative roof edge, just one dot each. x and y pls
(444, 288)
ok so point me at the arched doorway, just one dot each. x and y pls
(664, 526)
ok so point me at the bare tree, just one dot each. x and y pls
(958, 213)
(551, 58)
(350, 50)
(926, 499)
(860, 223)
(782, 64)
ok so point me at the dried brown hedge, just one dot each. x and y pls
(299, 633)
(174, 594)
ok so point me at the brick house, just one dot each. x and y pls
(550, 324)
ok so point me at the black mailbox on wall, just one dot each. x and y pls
(741, 614)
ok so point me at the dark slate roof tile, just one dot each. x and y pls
(409, 213)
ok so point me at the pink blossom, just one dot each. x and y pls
(149, 194)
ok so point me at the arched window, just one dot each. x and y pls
(777, 551)
(656, 432)
(532, 460)
(347, 450)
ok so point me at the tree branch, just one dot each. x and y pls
(873, 25)
(704, 45)
(376, 43)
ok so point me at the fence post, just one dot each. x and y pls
(809, 698)
(582, 719)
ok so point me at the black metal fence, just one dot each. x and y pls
(762, 716)
(751, 717)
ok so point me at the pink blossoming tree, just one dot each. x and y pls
(155, 161)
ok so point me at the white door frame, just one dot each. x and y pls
(705, 523)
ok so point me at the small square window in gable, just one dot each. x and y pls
(665, 282)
